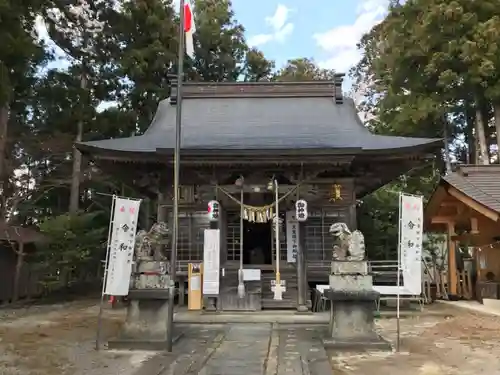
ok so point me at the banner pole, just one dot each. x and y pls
(398, 330)
(177, 166)
(105, 275)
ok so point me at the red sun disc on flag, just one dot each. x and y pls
(188, 18)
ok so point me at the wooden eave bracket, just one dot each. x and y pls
(490, 214)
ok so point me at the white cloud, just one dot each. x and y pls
(281, 29)
(340, 42)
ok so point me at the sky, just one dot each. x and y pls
(325, 30)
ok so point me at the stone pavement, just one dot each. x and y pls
(244, 349)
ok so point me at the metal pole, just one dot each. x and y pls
(278, 291)
(106, 261)
(241, 283)
(398, 332)
(177, 156)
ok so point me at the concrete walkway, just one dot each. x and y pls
(244, 349)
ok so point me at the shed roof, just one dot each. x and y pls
(20, 234)
(258, 116)
(479, 182)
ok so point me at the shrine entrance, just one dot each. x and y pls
(257, 243)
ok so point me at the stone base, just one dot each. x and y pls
(355, 282)
(352, 315)
(350, 267)
(375, 343)
(145, 327)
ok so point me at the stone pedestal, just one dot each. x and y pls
(146, 325)
(352, 308)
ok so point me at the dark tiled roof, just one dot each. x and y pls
(479, 182)
(279, 117)
(20, 234)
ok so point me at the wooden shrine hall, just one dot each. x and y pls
(466, 206)
(236, 138)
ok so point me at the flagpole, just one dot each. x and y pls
(398, 328)
(177, 152)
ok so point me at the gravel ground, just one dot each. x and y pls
(465, 344)
(60, 339)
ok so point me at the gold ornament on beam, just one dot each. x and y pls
(336, 193)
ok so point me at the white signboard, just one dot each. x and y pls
(292, 237)
(251, 274)
(211, 262)
(121, 246)
(411, 223)
(195, 283)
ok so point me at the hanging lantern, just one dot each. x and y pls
(213, 210)
(301, 210)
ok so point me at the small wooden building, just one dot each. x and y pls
(466, 206)
(236, 137)
(17, 278)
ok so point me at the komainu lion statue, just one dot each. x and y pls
(350, 246)
(148, 244)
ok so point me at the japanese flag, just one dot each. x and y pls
(189, 29)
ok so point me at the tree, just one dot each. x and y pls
(378, 213)
(74, 248)
(21, 55)
(303, 69)
(420, 72)
(142, 40)
(220, 46)
(483, 58)
(257, 67)
(74, 26)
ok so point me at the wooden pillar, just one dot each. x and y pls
(353, 222)
(146, 214)
(301, 270)
(161, 211)
(452, 261)
(17, 275)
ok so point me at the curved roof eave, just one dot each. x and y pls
(113, 147)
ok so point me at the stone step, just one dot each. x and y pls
(269, 303)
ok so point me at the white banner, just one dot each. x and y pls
(410, 226)
(121, 246)
(211, 262)
(292, 237)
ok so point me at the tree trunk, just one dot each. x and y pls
(74, 198)
(446, 145)
(17, 274)
(469, 135)
(4, 120)
(481, 137)
(496, 110)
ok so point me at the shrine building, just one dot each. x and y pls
(236, 139)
